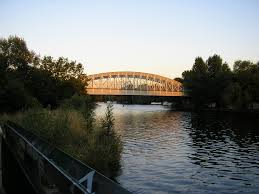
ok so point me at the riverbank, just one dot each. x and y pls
(225, 110)
(74, 129)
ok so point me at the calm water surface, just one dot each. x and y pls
(183, 152)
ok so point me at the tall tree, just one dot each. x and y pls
(15, 58)
(61, 68)
(26, 76)
(14, 53)
(207, 80)
(214, 64)
(194, 80)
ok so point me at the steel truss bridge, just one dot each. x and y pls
(133, 83)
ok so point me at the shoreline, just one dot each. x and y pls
(218, 110)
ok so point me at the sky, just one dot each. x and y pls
(154, 36)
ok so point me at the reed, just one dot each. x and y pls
(68, 128)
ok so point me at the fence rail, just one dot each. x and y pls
(49, 170)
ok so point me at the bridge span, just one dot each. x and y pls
(127, 83)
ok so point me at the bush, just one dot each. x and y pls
(68, 129)
(83, 104)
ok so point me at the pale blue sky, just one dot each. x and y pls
(161, 37)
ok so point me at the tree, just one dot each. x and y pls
(207, 80)
(61, 68)
(225, 68)
(26, 76)
(15, 58)
(246, 74)
(242, 66)
(179, 79)
(199, 67)
(194, 80)
(68, 73)
(214, 82)
(214, 64)
(232, 96)
(14, 53)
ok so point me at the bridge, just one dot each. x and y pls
(127, 83)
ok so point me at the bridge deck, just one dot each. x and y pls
(117, 92)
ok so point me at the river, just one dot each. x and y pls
(183, 152)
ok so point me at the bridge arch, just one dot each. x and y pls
(133, 83)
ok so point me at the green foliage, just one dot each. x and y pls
(246, 74)
(14, 60)
(67, 128)
(179, 79)
(28, 83)
(214, 64)
(85, 105)
(61, 68)
(214, 82)
(232, 96)
(242, 66)
(108, 121)
(25, 76)
(200, 67)
(14, 53)
(108, 137)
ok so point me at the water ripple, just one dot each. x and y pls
(181, 152)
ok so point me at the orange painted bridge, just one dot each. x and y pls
(133, 83)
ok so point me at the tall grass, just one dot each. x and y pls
(72, 128)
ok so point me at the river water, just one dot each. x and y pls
(183, 152)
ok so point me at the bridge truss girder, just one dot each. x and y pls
(133, 83)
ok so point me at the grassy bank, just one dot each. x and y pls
(72, 128)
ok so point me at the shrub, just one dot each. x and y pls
(68, 128)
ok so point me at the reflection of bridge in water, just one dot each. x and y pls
(133, 84)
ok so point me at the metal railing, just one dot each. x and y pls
(49, 170)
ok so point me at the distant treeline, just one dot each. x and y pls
(29, 80)
(213, 83)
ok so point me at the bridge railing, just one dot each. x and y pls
(48, 169)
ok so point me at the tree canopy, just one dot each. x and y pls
(214, 82)
(28, 79)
